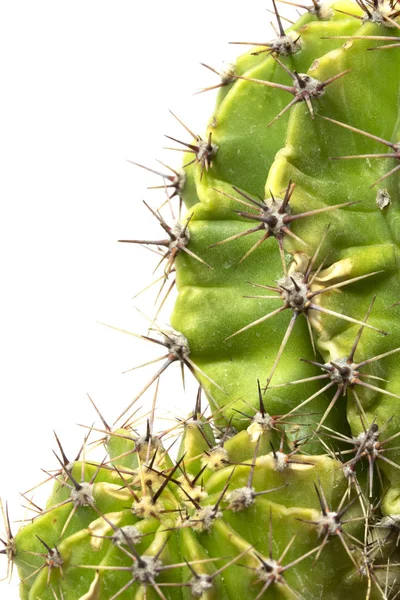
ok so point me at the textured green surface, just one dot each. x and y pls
(229, 535)
(362, 238)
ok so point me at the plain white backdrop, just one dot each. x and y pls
(86, 85)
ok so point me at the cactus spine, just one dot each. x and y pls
(286, 264)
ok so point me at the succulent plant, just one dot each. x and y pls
(286, 266)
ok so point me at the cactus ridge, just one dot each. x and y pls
(287, 486)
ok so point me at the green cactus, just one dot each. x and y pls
(286, 265)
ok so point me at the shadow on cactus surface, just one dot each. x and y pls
(286, 267)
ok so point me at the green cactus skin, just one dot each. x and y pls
(82, 525)
(359, 240)
(290, 489)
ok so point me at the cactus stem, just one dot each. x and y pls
(154, 514)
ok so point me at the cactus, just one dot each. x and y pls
(286, 266)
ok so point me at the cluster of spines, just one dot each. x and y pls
(179, 496)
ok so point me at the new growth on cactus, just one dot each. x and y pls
(281, 239)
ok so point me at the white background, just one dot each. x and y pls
(85, 85)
